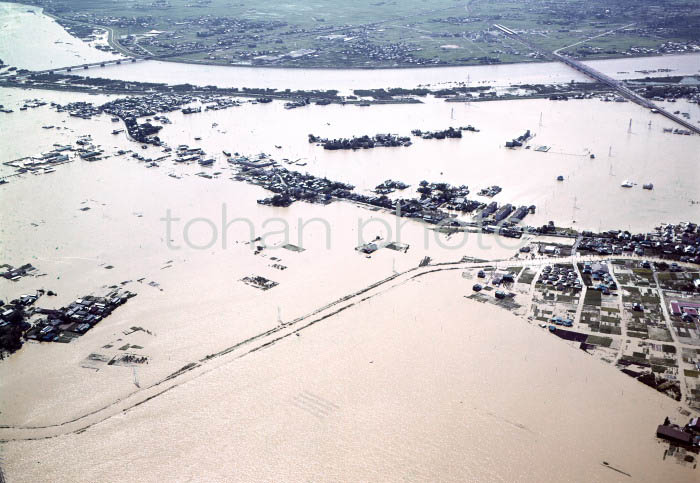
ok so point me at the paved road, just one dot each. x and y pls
(596, 75)
(593, 37)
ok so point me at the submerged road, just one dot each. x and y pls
(264, 340)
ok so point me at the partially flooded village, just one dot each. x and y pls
(294, 273)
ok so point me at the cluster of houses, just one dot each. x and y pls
(439, 194)
(129, 109)
(597, 276)
(69, 322)
(389, 186)
(45, 162)
(435, 199)
(20, 320)
(450, 132)
(435, 196)
(13, 324)
(493, 213)
(686, 309)
(560, 278)
(291, 186)
(561, 321)
(81, 109)
(388, 140)
(134, 107)
(15, 273)
(672, 241)
(668, 47)
(362, 142)
(519, 141)
(362, 49)
(497, 279)
(687, 436)
(425, 209)
(210, 32)
(259, 282)
(490, 191)
(670, 92)
(60, 154)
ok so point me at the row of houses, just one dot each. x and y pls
(672, 241)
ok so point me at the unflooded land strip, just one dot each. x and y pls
(261, 341)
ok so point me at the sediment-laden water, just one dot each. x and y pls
(411, 381)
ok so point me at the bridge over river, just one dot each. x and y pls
(596, 75)
(588, 71)
(78, 67)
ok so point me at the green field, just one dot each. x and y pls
(376, 33)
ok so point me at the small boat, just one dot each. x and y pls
(206, 162)
(648, 186)
(198, 138)
(627, 184)
(117, 131)
(226, 153)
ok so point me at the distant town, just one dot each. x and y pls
(493, 257)
(379, 33)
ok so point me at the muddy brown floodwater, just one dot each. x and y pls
(383, 375)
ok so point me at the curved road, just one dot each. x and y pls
(262, 341)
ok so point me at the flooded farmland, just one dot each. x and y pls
(334, 340)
